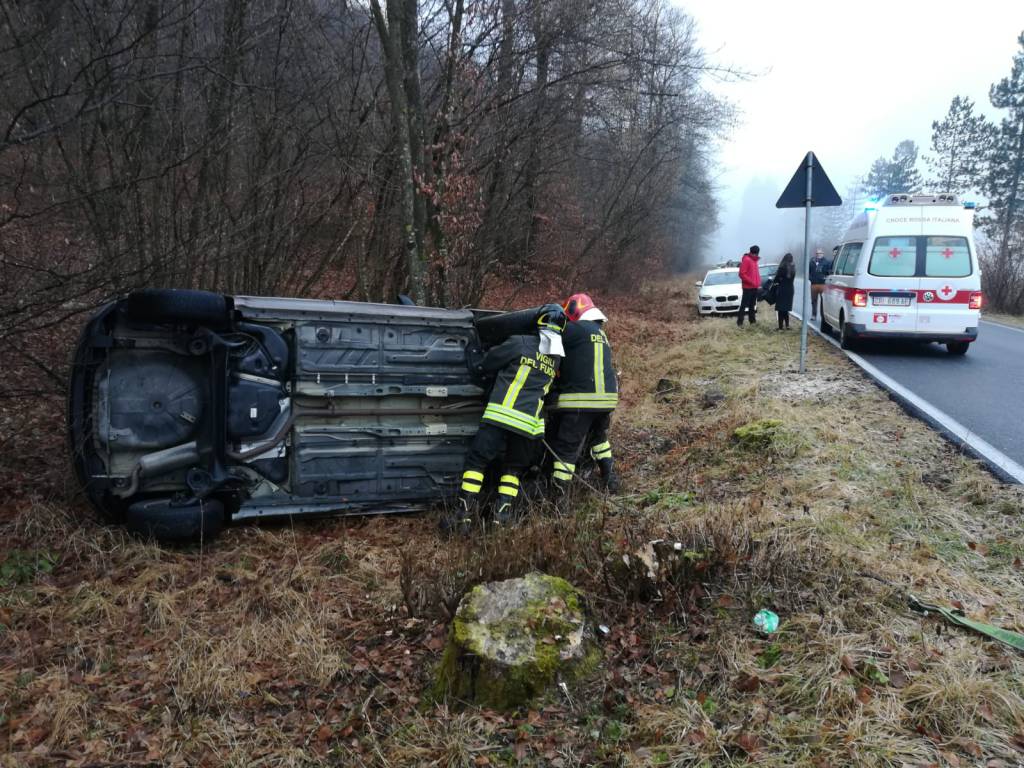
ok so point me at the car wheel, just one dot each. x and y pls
(957, 347)
(846, 339)
(826, 327)
(170, 305)
(172, 522)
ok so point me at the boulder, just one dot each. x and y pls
(512, 640)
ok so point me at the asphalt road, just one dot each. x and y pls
(982, 391)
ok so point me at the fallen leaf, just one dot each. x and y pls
(848, 663)
(748, 683)
(864, 694)
(748, 742)
(323, 733)
(969, 746)
(898, 678)
(481, 760)
(981, 549)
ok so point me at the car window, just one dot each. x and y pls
(837, 267)
(721, 278)
(894, 257)
(850, 258)
(947, 257)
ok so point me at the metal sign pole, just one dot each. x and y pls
(807, 265)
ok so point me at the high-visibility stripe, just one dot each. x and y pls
(588, 400)
(516, 385)
(508, 490)
(601, 453)
(599, 367)
(471, 487)
(510, 417)
(472, 474)
(565, 466)
(509, 480)
(562, 476)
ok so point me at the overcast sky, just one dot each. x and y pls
(845, 80)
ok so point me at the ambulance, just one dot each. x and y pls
(907, 269)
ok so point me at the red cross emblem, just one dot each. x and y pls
(946, 292)
(948, 253)
(895, 253)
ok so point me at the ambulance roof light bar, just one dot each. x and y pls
(901, 198)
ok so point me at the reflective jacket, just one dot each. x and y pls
(587, 378)
(524, 377)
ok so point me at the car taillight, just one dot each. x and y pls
(860, 298)
(976, 300)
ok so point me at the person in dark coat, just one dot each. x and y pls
(784, 276)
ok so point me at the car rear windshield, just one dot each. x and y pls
(721, 278)
(929, 256)
(894, 257)
(947, 257)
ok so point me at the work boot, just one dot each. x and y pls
(461, 520)
(508, 492)
(504, 514)
(611, 478)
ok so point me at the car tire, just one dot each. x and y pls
(846, 340)
(825, 326)
(171, 522)
(171, 305)
(957, 347)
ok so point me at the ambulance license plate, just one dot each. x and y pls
(891, 301)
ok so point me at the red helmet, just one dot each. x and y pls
(576, 305)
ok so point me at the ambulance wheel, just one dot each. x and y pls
(846, 339)
(826, 327)
(957, 347)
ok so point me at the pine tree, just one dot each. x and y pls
(961, 143)
(897, 175)
(1005, 183)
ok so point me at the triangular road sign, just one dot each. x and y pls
(822, 192)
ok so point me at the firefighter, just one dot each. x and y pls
(587, 393)
(524, 368)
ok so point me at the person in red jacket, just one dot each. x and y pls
(750, 277)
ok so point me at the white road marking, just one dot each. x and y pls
(1003, 325)
(992, 456)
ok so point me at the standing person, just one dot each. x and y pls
(784, 277)
(818, 270)
(524, 368)
(588, 393)
(750, 278)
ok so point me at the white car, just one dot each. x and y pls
(719, 292)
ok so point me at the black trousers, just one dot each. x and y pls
(574, 430)
(783, 319)
(749, 304)
(491, 442)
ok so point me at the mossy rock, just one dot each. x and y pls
(758, 434)
(512, 640)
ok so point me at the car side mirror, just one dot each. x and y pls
(698, 284)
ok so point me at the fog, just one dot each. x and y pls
(846, 82)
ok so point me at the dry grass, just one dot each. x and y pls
(313, 644)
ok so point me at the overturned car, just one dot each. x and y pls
(188, 409)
